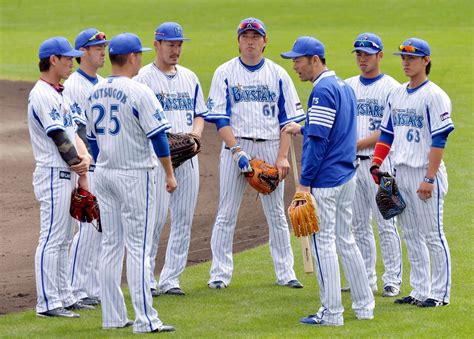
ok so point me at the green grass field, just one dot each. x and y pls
(253, 306)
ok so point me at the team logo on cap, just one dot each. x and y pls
(365, 37)
(177, 31)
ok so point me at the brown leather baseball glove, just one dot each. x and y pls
(182, 147)
(303, 214)
(264, 177)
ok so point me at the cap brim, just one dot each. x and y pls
(291, 55)
(407, 53)
(145, 49)
(252, 29)
(174, 39)
(73, 53)
(366, 50)
(97, 42)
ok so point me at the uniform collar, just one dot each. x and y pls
(58, 88)
(325, 74)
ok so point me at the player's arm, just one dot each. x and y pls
(65, 147)
(368, 142)
(281, 162)
(82, 133)
(84, 156)
(162, 150)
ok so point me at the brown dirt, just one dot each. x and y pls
(19, 212)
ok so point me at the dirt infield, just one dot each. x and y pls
(19, 221)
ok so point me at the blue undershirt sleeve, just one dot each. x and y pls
(160, 144)
(386, 138)
(439, 140)
(94, 148)
(221, 123)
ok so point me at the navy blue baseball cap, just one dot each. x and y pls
(369, 43)
(305, 46)
(252, 24)
(90, 37)
(57, 46)
(414, 46)
(126, 43)
(169, 31)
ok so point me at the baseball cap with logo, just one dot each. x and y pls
(369, 43)
(414, 46)
(252, 24)
(57, 46)
(126, 43)
(169, 31)
(305, 46)
(90, 37)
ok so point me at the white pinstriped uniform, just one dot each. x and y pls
(415, 117)
(53, 183)
(85, 249)
(123, 114)
(182, 100)
(371, 105)
(258, 103)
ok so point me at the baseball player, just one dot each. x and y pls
(372, 88)
(328, 172)
(85, 249)
(251, 99)
(180, 94)
(60, 156)
(416, 130)
(122, 118)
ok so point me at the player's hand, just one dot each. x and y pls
(171, 183)
(283, 167)
(376, 173)
(242, 160)
(302, 189)
(82, 167)
(83, 182)
(292, 128)
(425, 190)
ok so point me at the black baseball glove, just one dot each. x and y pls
(388, 197)
(183, 146)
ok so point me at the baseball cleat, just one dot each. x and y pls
(345, 289)
(408, 300)
(365, 317)
(155, 292)
(217, 284)
(430, 302)
(390, 291)
(58, 312)
(78, 305)
(374, 288)
(164, 328)
(91, 301)
(175, 291)
(294, 284)
(312, 319)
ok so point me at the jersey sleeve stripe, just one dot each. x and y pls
(37, 118)
(211, 117)
(322, 108)
(320, 123)
(54, 127)
(202, 115)
(298, 118)
(383, 129)
(158, 130)
(443, 129)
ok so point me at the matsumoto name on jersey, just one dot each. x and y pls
(407, 117)
(370, 107)
(176, 102)
(257, 93)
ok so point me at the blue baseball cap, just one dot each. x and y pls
(414, 46)
(126, 43)
(57, 46)
(369, 43)
(90, 37)
(169, 31)
(305, 46)
(252, 24)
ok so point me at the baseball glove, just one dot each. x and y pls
(85, 207)
(182, 147)
(388, 197)
(303, 214)
(264, 177)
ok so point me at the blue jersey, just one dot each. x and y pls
(329, 147)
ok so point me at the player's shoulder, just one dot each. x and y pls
(389, 80)
(228, 66)
(352, 80)
(273, 66)
(144, 72)
(436, 92)
(40, 90)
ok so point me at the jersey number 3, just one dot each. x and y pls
(114, 122)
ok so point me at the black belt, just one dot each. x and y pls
(363, 157)
(91, 168)
(253, 139)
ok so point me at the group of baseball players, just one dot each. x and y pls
(108, 136)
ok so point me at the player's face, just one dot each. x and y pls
(95, 55)
(63, 66)
(304, 66)
(251, 44)
(168, 51)
(413, 65)
(368, 63)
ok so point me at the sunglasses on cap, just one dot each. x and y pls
(96, 36)
(411, 49)
(251, 25)
(366, 43)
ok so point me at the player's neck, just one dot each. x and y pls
(318, 71)
(51, 77)
(372, 74)
(118, 71)
(417, 80)
(251, 61)
(88, 69)
(165, 68)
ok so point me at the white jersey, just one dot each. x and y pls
(258, 101)
(48, 110)
(123, 115)
(78, 87)
(180, 95)
(371, 103)
(416, 115)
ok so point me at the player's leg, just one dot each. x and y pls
(231, 189)
(51, 189)
(430, 215)
(182, 205)
(162, 203)
(274, 209)
(362, 221)
(138, 213)
(352, 262)
(323, 246)
(114, 310)
(417, 250)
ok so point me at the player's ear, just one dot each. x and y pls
(426, 60)
(380, 55)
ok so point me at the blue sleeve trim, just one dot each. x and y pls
(439, 140)
(160, 144)
(202, 115)
(448, 128)
(228, 105)
(37, 118)
(135, 113)
(94, 148)
(54, 128)
(158, 130)
(386, 137)
(222, 123)
(213, 117)
(296, 119)
(281, 104)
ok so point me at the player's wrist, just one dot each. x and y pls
(429, 180)
(235, 149)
